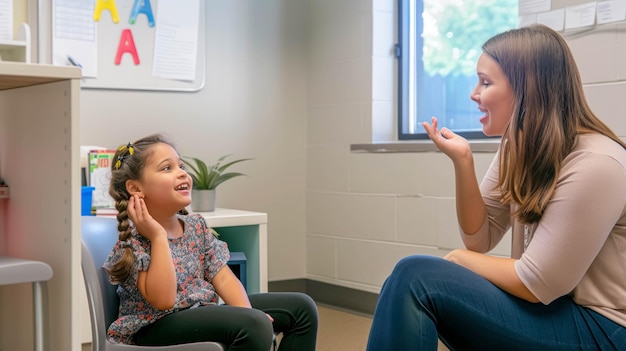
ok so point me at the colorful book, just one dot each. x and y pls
(100, 177)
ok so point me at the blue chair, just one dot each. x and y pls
(98, 236)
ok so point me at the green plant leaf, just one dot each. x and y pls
(209, 177)
(223, 167)
(197, 171)
(224, 177)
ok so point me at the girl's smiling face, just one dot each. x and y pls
(165, 184)
(494, 96)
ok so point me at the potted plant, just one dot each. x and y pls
(207, 178)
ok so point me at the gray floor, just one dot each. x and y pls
(341, 331)
(344, 330)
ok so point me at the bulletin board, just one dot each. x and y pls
(125, 74)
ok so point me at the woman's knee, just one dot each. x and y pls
(418, 265)
(416, 273)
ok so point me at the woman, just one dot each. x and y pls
(558, 182)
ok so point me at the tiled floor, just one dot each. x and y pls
(341, 331)
(344, 331)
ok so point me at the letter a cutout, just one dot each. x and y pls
(142, 6)
(126, 45)
(105, 4)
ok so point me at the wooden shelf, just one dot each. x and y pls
(18, 74)
(39, 158)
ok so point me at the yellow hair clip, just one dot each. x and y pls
(120, 158)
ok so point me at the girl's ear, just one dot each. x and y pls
(133, 187)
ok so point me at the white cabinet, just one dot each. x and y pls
(39, 160)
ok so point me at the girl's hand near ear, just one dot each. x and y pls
(145, 224)
(158, 284)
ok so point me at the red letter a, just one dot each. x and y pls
(127, 44)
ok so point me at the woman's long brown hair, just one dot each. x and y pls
(550, 111)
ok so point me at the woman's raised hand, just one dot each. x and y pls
(451, 144)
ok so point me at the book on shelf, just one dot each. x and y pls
(100, 177)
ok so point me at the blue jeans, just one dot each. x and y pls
(426, 298)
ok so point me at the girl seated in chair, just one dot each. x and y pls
(170, 269)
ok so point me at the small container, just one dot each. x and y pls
(85, 200)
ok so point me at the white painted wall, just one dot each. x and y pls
(366, 210)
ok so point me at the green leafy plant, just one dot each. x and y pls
(209, 177)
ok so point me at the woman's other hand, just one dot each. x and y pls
(500, 271)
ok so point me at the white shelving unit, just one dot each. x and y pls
(39, 160)
(17, 50)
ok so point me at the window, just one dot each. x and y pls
(439, 43)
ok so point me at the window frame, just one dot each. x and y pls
(402, 52)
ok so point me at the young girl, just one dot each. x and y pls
(170, 269)
(559, 182)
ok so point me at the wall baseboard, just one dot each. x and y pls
(330, 294)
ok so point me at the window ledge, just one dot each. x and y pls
(482, 145)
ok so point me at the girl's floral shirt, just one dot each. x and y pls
(197, 256)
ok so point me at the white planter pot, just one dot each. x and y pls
(203, 200)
